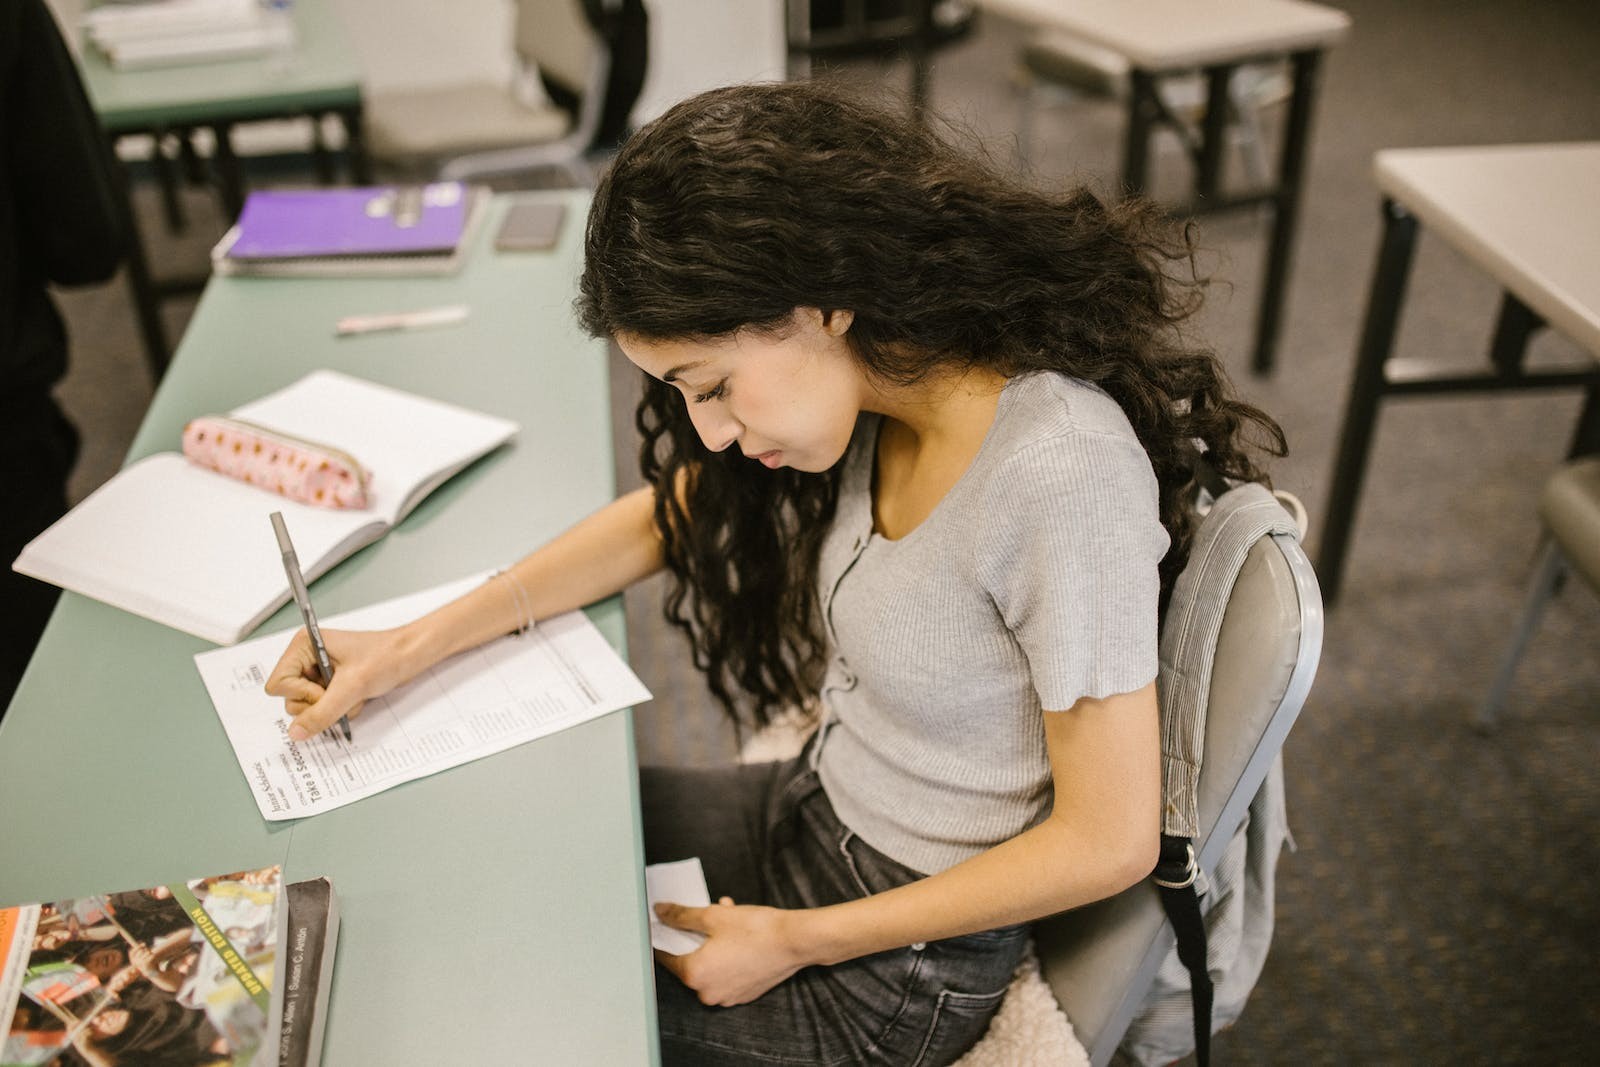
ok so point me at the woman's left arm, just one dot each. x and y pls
(1101, 836)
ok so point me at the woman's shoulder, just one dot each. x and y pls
(1057, 440)
(1047, 406)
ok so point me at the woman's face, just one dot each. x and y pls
(105, 961)
(786, 401)
(110, 1022)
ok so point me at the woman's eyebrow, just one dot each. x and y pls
(672, 375)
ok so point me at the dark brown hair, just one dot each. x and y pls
(742, 204)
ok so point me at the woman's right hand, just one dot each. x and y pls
(366, 664)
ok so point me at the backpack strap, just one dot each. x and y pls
(1237, 519)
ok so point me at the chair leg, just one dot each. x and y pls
(1546, 576)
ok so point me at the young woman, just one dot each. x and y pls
(917, 442)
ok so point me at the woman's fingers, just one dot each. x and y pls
(294, 669)
(313, 717)
(683, 917)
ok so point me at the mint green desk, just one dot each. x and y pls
(493, 913)
(319, 76)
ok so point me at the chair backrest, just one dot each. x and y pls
(591, 55)
(1100, 960)
(558, 38)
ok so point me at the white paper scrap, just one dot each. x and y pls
(680, 882)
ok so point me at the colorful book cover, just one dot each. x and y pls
(372, 221)
(177, 974)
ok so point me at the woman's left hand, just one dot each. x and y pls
(747, 951)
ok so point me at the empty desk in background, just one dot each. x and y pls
(1526, 215)
(1161, 38)
(319, 76)
(493, 913)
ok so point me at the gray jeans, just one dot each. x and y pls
(766, 834)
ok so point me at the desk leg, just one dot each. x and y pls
(321, 158)
(230, 176)
(356, 146)
(1512, 330)
(1213, 133)
(167, 178)
(921, 56)
(1291, 175)
(146, 306)
(1586, 441)
(1144, 109)
(1366, 389)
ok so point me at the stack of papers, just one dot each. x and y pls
(158, 33)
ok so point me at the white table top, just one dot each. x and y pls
(1160, 35)
(1529, 215)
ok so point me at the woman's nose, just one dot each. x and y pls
(717, 429)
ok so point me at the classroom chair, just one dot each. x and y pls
(580, 66)
(1569, 509)
(1063, 67)
(1102, 961)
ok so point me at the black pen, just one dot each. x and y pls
(297, 586)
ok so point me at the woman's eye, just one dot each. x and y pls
(715, 394)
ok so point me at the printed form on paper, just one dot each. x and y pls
(504, 693)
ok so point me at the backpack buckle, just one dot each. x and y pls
(1168, 878)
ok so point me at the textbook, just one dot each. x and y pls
(308, 933)
(195, 971)
(192, 548)
(378, 230)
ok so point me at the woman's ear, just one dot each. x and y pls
(837, 321)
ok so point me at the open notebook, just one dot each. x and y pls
(194, 549)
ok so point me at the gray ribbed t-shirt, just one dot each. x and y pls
(1032, 584)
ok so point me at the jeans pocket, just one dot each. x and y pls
(959, 1020)
(870, 870)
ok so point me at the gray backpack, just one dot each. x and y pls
(1158, 968)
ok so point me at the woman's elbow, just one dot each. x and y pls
(1139, 854)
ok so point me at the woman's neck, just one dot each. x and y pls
(932, 431)
(944, 408)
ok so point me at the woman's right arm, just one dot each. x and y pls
(600, 556)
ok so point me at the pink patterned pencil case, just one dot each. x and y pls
(300, 470)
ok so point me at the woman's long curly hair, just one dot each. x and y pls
(742, 204)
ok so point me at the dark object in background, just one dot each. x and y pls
(61, 222)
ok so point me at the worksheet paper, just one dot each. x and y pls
(510, 691)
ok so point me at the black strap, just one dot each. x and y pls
(1174, 877)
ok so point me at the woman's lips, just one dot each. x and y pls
(771, 460)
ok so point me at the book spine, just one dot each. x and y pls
(16, 942)
(306, 951)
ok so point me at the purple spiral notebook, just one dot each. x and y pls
(377, 221)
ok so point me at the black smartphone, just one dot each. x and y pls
(530, 226)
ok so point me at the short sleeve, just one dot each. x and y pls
(1072, 563)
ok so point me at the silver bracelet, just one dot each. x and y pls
(519, 600)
